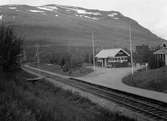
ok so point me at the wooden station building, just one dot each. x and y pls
(112, 57)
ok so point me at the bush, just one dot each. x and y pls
(10, 49)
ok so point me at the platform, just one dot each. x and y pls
(112, 78)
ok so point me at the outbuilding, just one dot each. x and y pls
(112, 57)
(161, 55)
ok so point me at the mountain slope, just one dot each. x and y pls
(74, 25)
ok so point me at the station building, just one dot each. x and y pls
(112, 57)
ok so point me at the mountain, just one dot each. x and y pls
(68, 25)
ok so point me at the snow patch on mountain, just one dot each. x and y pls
(36, 11)
(85, 12)
(88, 17)
(13, 8)
(92, 18)
(45, 8)
(94, 13)
(79, 15)
(51, 7)
(82, 11)
(113, 14)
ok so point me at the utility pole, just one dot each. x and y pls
(70, 54)
(24, 55)
(93, 49)
(131, 48)
(37, 54)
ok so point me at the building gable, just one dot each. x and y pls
(121, 53)
(109, 53)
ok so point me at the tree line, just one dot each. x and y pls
(11, 53)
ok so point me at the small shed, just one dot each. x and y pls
(161, 54)
(110, 57)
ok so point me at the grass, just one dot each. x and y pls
(21, 100)
(155, 79)
(77, 72)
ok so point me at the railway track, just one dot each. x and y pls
(149, 107)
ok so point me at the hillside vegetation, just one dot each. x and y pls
(70, 25)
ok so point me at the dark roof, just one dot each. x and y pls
(161, 51)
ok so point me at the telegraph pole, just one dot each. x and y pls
(131, 48)
(24, 55)
(37, 54)
(93, 50)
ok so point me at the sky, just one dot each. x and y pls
(151, 14)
